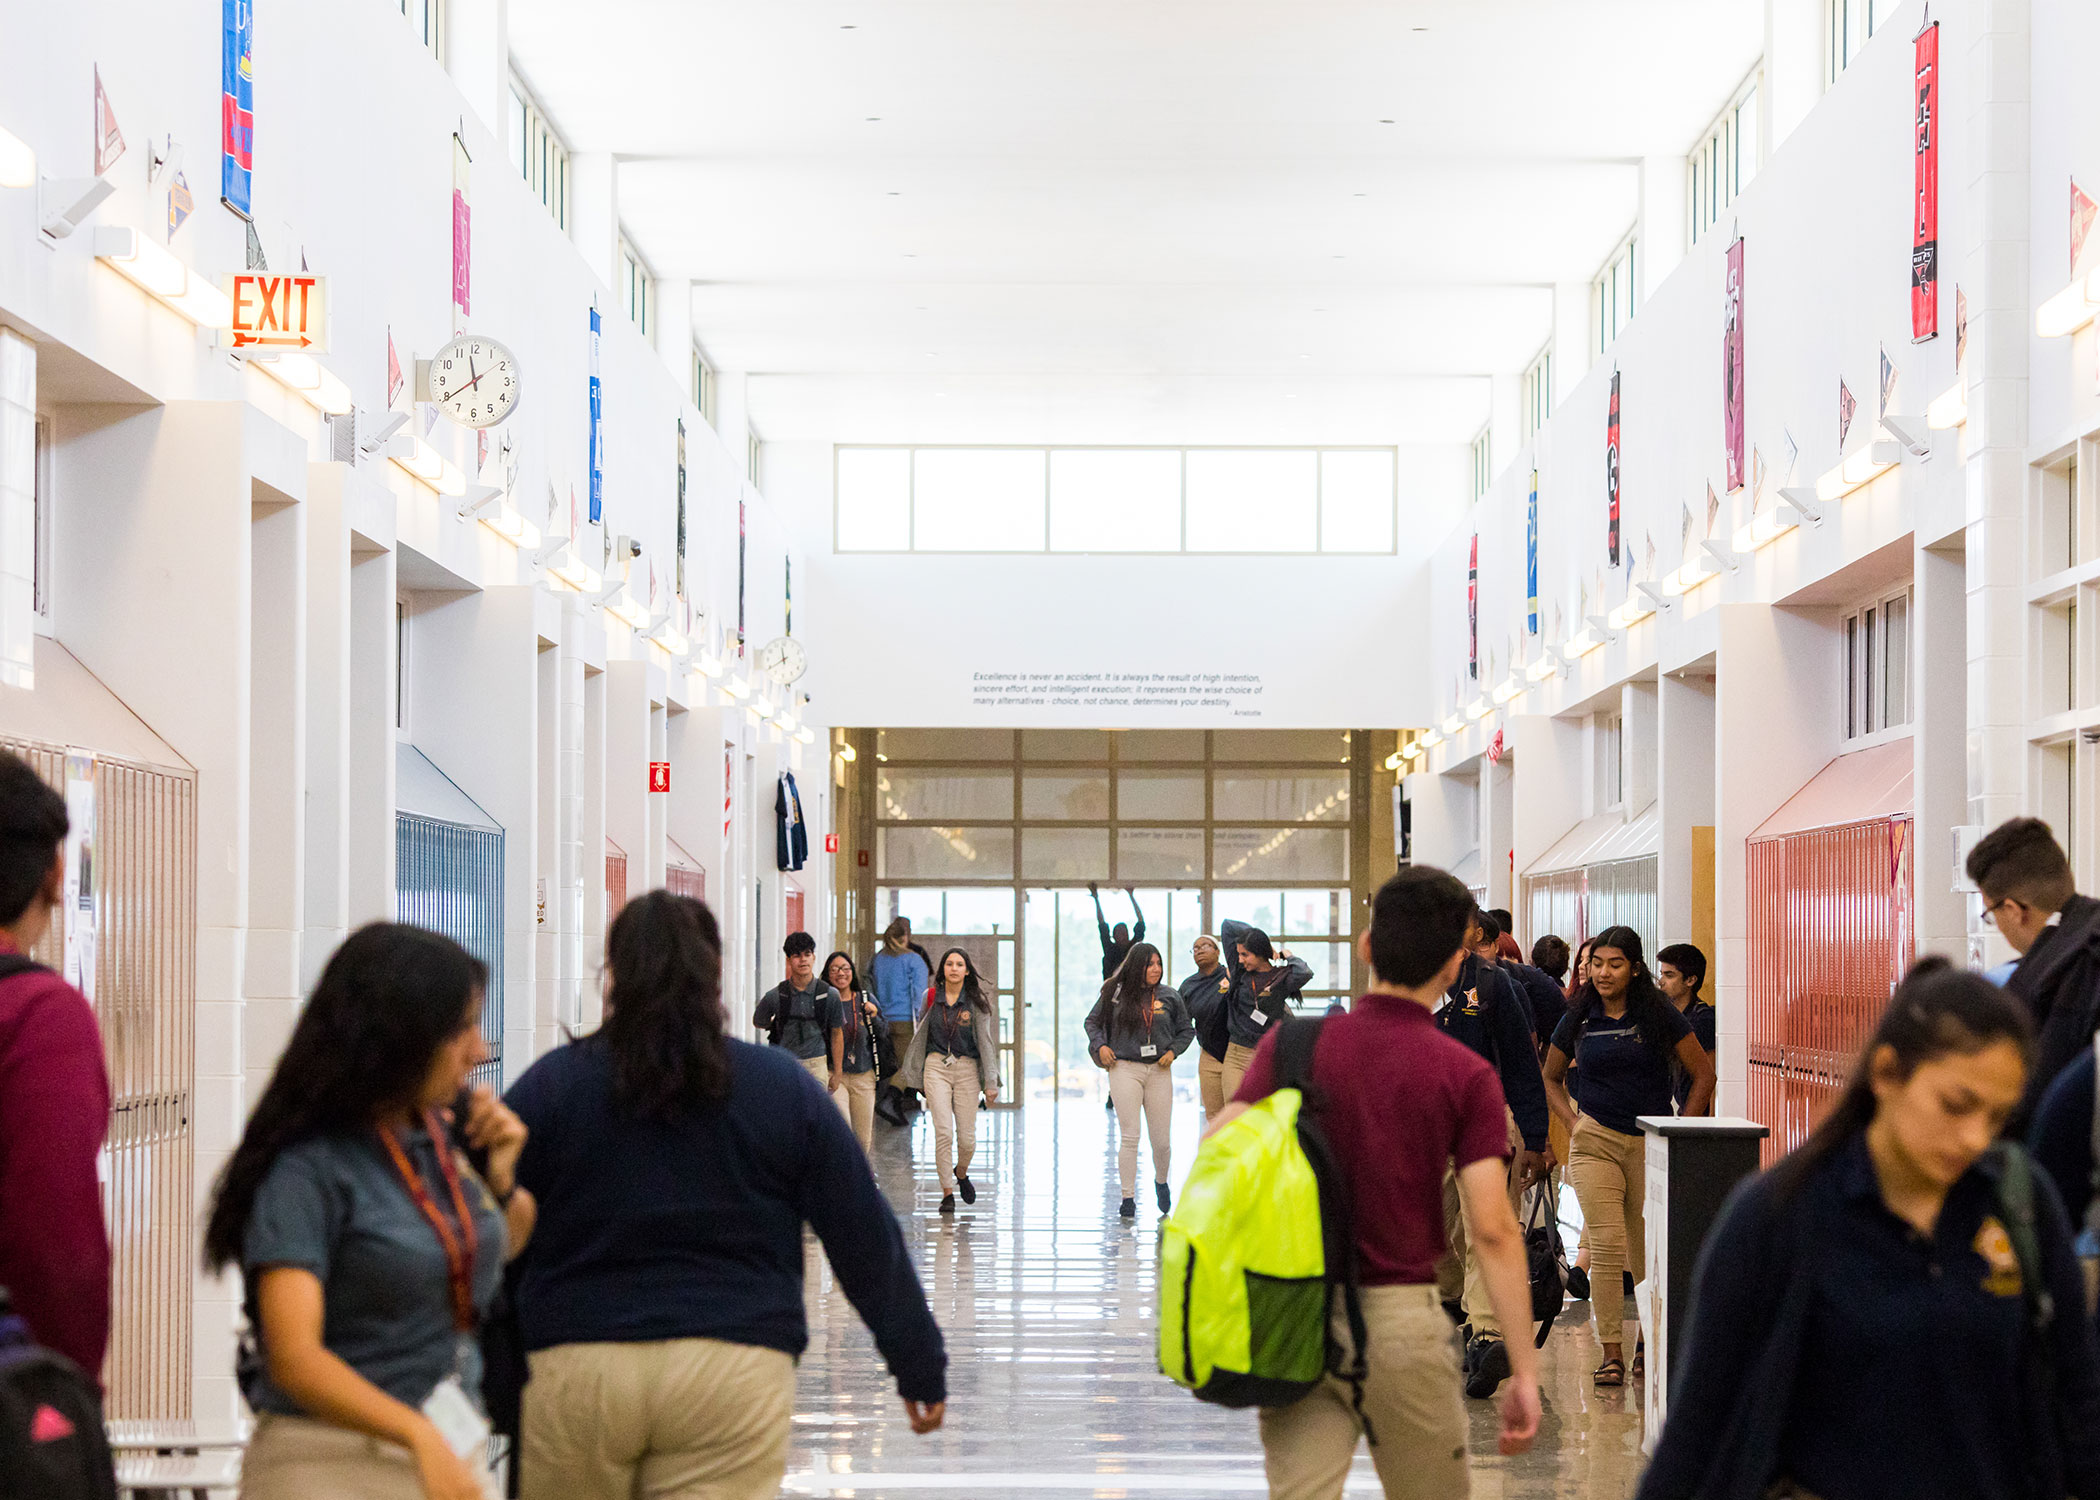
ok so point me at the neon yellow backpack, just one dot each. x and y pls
(1259, 1236)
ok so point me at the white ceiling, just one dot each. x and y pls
(1128, 220)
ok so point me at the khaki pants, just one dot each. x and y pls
(1210, 1080)
(1459, 1276)
(819, 1068)
(1411, 1397)
(900, 1042)
(1148, 1088)
(1609, 1171)
(695, 1419)
(297, 1458)
(951, 1097)
(1237, 1060)
(856, 1101)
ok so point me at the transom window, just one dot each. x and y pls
(1483, 465)
(1219, 500)
(1614, 294)
(1851, 24)
(538, 153)
(1537, 395)
(426, 18)
(637, 286)
(1726, 158)
(1877, 666)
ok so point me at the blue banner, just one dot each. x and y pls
(237, 108)
(597, 428)
(1531, 558)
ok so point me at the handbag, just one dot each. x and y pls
(1546, 1256)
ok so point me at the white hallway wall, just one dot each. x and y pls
(236, 588)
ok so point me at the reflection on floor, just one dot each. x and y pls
(1047, 1299)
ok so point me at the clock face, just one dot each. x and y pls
(784, 659)
(474, 381)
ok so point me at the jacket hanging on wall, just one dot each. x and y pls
(791, 843)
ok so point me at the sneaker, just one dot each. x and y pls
(892, 1112)
(967, 1188)
(948, 1204)
(1128, 1209)
(1166, 1199)
(1488, 1367)
(1578, 1284)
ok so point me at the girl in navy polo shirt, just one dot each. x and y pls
(1621, 1034)
(1864, 1325)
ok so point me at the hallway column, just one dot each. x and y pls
(1993, 77)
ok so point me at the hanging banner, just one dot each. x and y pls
(180, 204)
(597, 427)
(1473, 609)
(109, 141)
(2082, 212)
(462, 237)
(1611, 469)
(237, 107)
(1847, 405)
(743, 541)
(1531, 558)
(678, 586)
(1925, 225)
(1732, 367)
(1888, 385)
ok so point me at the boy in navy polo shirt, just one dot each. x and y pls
(1394, 1144)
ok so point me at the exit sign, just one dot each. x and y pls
(278, 312)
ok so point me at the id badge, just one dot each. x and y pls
(465, 1430)
(1259, 1018)
(1148, 1050)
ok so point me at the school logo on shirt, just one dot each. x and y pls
(2001, 1275)
(1225, 986)
(1472, 1005)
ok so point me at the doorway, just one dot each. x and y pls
(1062, 978)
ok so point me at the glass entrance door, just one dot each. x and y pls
(1061, 978)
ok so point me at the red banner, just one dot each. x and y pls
(1732, 368)
(1611, 468)
(1925, 224)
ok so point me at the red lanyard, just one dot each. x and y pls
(459, 1248)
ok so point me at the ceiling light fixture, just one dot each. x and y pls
(154, 269)
(1950, 408)
(301, 372)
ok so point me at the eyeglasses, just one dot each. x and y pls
(1990, 912)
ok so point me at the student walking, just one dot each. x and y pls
(856, 1096)
(54, 1094)
(804, 1016)
(1204, 992)
(1485, 1012)
(2029, 896)
(1391, 1144)
(1136, 1030)
(663, 1302)
(1892, 1312)
(953, 1056)
(1622, 1036)
(901, 976)
(1260, 996)
(1680, 973)
(369, 1247)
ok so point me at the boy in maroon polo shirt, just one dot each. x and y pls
(54, 1095)
(1400, 1101)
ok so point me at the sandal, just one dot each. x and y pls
(1610, 1375)
(1640, 1361)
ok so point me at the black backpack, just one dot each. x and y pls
(1546, 1256)
(52, 1446)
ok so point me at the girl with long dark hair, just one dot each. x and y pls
(954, 1055)
(662, 1305)
(1136, 1030)
(856, 1092)
(1896, 1309)
(1621, 1034)
(369, 1247)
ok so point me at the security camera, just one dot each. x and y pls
(627, 547)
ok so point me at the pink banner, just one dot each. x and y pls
(1732, 368)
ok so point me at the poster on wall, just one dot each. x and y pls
(1732, 366)
(109, 141)
(1473, 609)
(1611, 469)
(462, 237)
(1925, 225)
(237, 107)
(597, 425)
(1531, 557)
(1847, 405)
(2082, 211)
(678, 586)
(79, 897)
(728, 787)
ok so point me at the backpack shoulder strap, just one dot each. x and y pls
(2092, 1208)
(12, 964)
(2013, 1171)
(1295, 1040)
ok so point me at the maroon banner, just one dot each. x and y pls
(1732, 367)
(1473, 610)
(1611, 468)
(1925, 225)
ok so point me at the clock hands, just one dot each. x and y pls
(475, 381)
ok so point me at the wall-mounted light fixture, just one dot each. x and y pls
(153, 269)
(413, 456)
(17, 162)
(2070, 309)
(1950, 408)
(302, 373)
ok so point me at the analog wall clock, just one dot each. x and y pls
(474, 381)
(784, 659)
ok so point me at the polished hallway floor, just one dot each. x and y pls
(1047, 1298)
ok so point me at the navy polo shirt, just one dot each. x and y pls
(1619, 1076)
(1701, 1017)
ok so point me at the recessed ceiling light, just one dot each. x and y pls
(849, 26)
(1341, 257)
(896, 194)
(874, 119)
(1385, 122)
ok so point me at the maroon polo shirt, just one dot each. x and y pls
(1402, 1102)
(54, 1116)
